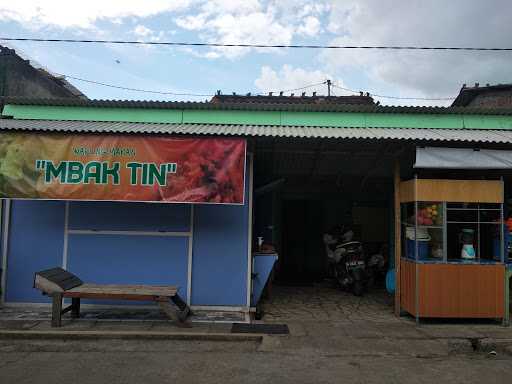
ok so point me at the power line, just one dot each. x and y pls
(398, 97)
(240, 45)
(135, 89)
(190, 94)
(299, 89)
(173, 93)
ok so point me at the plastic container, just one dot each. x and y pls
(423, 238)
(390, 281)
(423, 249)
(420, 234)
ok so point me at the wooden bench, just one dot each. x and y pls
(59, 283)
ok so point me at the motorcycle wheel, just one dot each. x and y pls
(358, 288)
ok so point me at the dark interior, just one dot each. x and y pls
(304, 189)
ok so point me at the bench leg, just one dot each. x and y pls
(75, 307)
(177, 312)
(184, 309)
(56, 310)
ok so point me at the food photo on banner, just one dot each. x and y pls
(122, 168)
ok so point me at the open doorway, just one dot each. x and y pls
(305, 189)
(303, 254)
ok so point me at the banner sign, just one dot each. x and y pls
(125, 168)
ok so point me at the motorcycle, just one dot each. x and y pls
(348, 263)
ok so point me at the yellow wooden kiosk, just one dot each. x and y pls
(452, 248)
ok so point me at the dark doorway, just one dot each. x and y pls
(303, 258)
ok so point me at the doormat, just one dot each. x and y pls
(268, 329)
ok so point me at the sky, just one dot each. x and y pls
(203, 70)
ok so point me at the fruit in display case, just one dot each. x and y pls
(430, 215)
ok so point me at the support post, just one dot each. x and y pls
(5, 220)
(75, 307)
(56, 309)
(398, 236)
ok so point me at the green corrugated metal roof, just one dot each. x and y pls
(243, 117)
(244, 130)
(255, 106)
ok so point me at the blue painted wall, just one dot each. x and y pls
(111, 216)
(219, 269)
(2, 215)
(127, 259)
(35, 243)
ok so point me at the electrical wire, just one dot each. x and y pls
(173, 93)
(240, 45)
(398, 97)
(301, 88)
(190, 94)
(135, 89)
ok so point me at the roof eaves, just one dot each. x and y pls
(247, 130)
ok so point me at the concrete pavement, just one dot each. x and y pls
(333, 338)
(273, 361)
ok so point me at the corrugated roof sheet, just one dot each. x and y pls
(464, 135)
(299, 99)
(328, 107)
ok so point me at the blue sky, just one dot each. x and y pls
(205, 70)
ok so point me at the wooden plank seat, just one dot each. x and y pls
(59, 283)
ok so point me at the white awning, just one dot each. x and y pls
(462, 158)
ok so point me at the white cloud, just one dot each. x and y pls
(192, 22)
(311, 26)
(82, 14)
(415, 22)
(143, 31)
(289, 77)
(251, 22)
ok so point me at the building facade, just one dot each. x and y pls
(307, 168)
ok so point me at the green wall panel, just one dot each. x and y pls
(205, 116)
(232, 117)
(93, 114)
(323, 119)
(487, 122)
(411, 120)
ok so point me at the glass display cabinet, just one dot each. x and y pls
(452, 248)
(453, 232)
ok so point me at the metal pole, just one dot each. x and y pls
(502, 227)
(478, 226)
(417, 267)
(445, 232)
(398, 237)
(190, 255)
(250, 181)
(5, 247)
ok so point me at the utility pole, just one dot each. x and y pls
(328, 87)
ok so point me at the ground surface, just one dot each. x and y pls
(334, 338)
